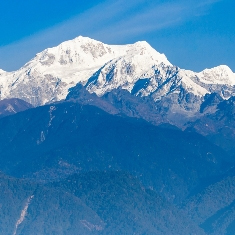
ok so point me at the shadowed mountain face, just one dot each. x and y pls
(218, 124)
(12, 106)
(119, 101)
(215, 119)
(54, 141)
(210, 103)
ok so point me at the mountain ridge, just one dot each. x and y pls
(48, 76)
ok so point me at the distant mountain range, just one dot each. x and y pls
(137, 68)
(102, 68)
(105, 139)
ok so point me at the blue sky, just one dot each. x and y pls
(193, 34)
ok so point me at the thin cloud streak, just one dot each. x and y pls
(106, 22)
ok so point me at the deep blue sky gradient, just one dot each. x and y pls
(19, 19)
(192, 34)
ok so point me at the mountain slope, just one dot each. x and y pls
(29, 208)
(214, 207)
(218, 125)
(99, 203)
(126, 206)
(119, 101)
(54, 141)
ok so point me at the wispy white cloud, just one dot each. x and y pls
(109, 21)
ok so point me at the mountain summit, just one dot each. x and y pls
(49, 75)
(99, 67)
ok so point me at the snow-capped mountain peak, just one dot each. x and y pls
(49, 75)
(218, 75)
(137, 67)
(2, 71)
